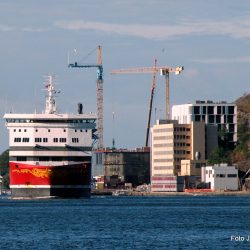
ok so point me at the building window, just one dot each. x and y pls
(64, 130)
(19, 130)
(218, 110)
(75, 140)
(220, 175)
(75, 130)
(163, 160)
(197, 118)
(210, 110)
(211, 119)
(231, 110)
(62, 139)
(196, 110)
(17, 140)
(25, 130)
(48, 130)
(14, 130)
(163, 152)
(26, 139)
(232, 175)
(36, 130)
(45, 139)
(162, 145)
(160, 138)
(204, 110)
(231, 128)
(38, 139)
(55, 139)
(162, 130)
(230, 119)
(218, 119)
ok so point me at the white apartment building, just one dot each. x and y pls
(220, 177)
(221, 114)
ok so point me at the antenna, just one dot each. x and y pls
(68, 58)
(113, 139)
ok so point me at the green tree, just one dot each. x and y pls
(4, 168)
(218, 155)
(243, 130)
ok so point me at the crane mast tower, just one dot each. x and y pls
(99, 93)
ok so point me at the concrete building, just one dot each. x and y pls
(220, 177)
(122, 166)
(221, 114)
(192, 167)
(170, 143)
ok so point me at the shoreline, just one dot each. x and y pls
(134, 193)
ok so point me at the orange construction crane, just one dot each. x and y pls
(164, 70)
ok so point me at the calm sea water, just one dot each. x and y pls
(175, 222)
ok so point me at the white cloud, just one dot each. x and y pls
(239, 28)
(242, 59)
(7, 28)
(190, 73)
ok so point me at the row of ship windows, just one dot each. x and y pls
(48, 158)
(74, 140)
(36, 130)
(50, 121)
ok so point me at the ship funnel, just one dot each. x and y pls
(79, 109)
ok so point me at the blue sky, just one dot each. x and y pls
(209, 38)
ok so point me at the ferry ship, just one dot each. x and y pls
(50, 153)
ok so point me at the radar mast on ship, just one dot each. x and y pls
(50, 98)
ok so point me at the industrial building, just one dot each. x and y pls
(220, 177)
(120, 166)
(170, 144)
(223, 115)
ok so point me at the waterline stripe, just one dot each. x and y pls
(50, 186)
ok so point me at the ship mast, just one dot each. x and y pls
(50, 98)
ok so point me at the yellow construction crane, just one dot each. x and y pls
(163, 70)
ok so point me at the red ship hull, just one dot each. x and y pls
(45, 181)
